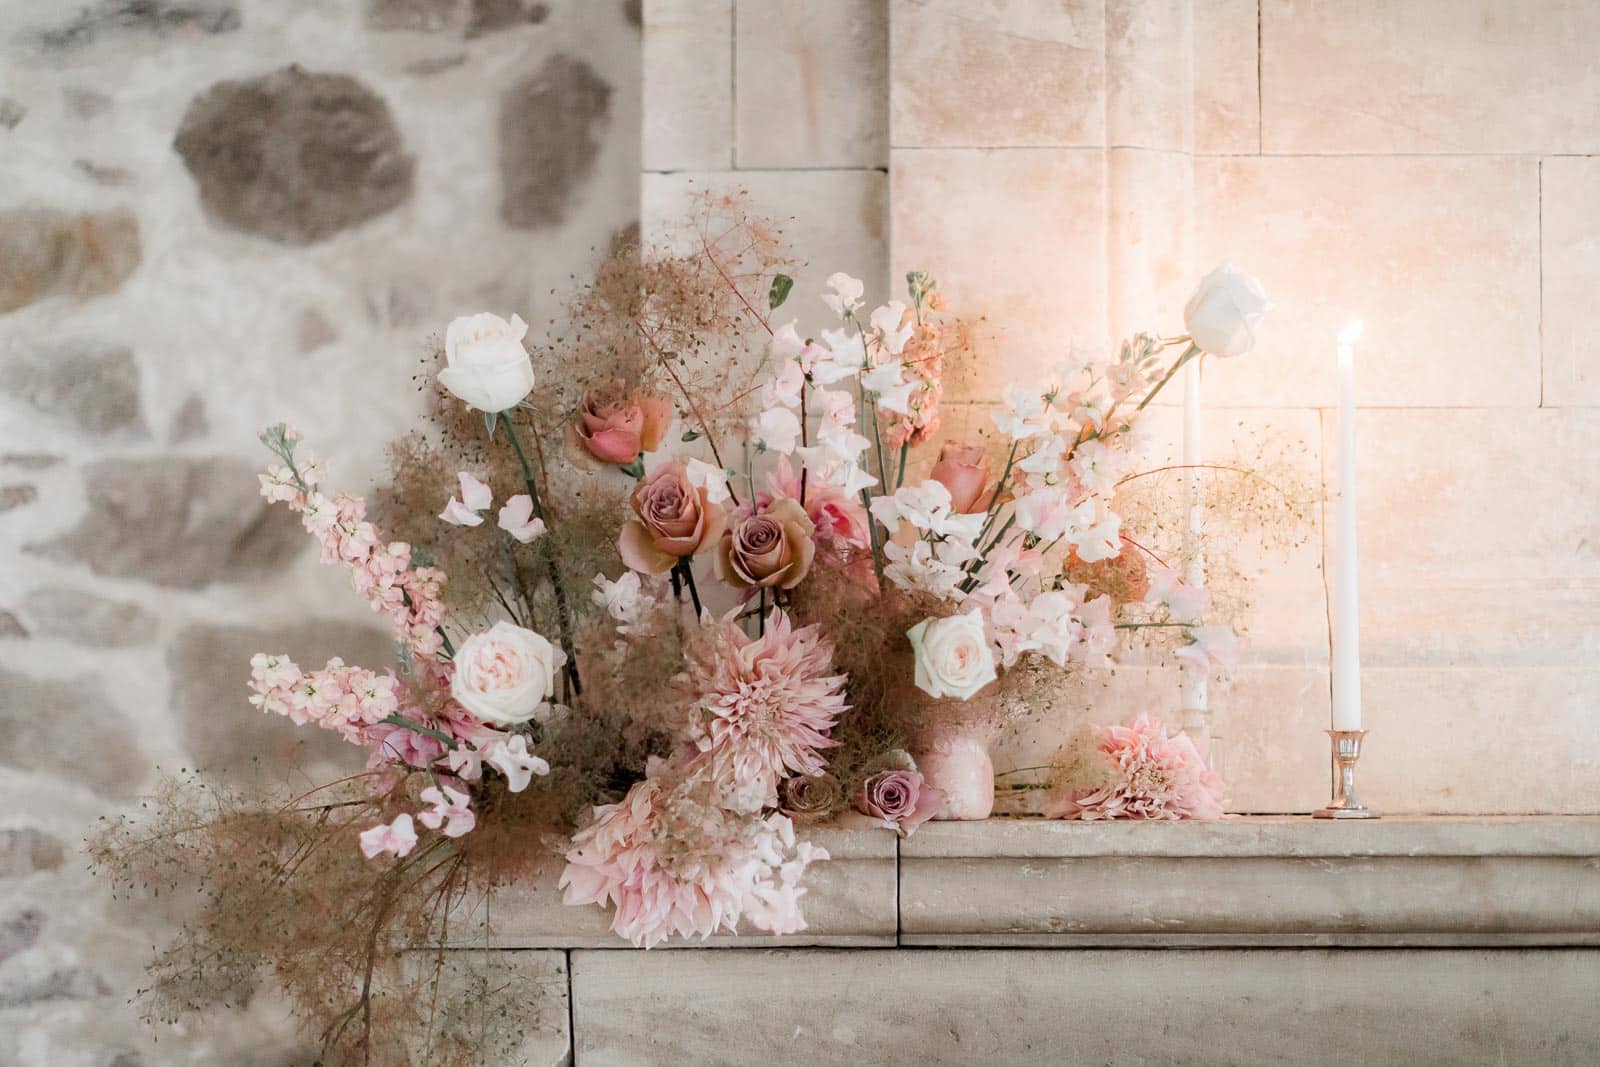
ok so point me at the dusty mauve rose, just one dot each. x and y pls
(769, 547)
(964, 470)
(806, 798)
(1124, 577)
(615, 426)
(897, 795)
(674, 520)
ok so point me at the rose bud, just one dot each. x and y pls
(615, 426)
(964, 470)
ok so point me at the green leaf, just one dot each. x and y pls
(636, 468)
(781, 284)
(691, 435)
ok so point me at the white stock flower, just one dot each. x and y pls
(504, 673)
(953, 657)
(487, 366)
(1224, 311)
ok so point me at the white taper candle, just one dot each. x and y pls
(1346, 602)
(1195, 696)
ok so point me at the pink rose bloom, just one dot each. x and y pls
(964, 470)
(674, 520)
(616, 426)
(898, 797)
(771, 546)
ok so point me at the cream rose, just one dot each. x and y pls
(953, 656)
(505, 673)
(1224, 311)
(488, 367)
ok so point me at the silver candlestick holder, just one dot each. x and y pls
(1346, 752)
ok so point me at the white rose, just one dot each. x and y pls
(1223, 313)
(488, 367)
(505, 673)
(953, 655)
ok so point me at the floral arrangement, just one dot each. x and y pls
(664, 591)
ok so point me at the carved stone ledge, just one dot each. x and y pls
(1254, 881)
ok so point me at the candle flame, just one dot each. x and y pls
(1351, 332)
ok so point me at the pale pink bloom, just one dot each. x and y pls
(278, 484)
(339, 697)
(511, 758)
(760, 709)
(784, 388)
(844, 294)
(449, 814)
(1135, 772)
(1210, 645)
(963, 469)
(839, 518)
(1186, 603)
(466, 762)
(887, 320)
(1099, 635)
(778, 429)
(516, 519)
(626, 602)
(889, 381)
(390, 744)
(1100, 541)
(399, 837)
(1024, 414)
(898, 797)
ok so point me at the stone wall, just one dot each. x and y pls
(215, 214)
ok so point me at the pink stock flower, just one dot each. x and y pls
(898, 797)
(399, 837)
(450, 814)
(760, 709)
(1133, 772)
(338, 697)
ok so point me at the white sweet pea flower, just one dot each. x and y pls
(783, 390)
(516, 518)
(487, 366)
(786, 342)
(1224, 311)
(889, 382)
(886, 322)
(1098, 467)
(845, 295)
(714, 480)
(475, 496)
(1102, 540)
(1021, 419)
(511, 758)
(778, 429)
(1210, 645)
(1045, 459)
(1184, 602)
(458, 514)
(841, 360)
(914, 567)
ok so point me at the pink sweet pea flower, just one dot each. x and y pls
(449, 810)
(399, 837)
(474, 494)
(516, 518)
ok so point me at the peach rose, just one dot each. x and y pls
(674, 520)
(964, 470)
(769, 547)
(616, 426)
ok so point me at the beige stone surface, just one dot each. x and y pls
(834, 220)
(850, 901)
(1425, 76)
(812, 83)
(981, 73)
(688, 85)
(1032, 260)
(1227, 116)
(1149, 246)
(1439, 257)
(1149, 51)
(1308, 1007)
(1569, 193)
(1477, 537)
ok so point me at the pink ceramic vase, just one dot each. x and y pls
(952, 752)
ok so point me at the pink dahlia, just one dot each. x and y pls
(671, 861)
(760, 709)
(1134, 772)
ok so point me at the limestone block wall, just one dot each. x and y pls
(215, 214)
(1427, 165)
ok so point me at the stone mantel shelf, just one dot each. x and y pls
(1247, 881)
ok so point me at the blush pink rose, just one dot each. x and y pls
(964, 470)
(898, 797)
(770, 547)
(674, 520)
(839, 518)
(615, 426)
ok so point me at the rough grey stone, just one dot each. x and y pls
(550, 123)
(30, 461)
(11, 112)
(20, 930)
(11, 627)
(178, 522)
(210, 667)
(67, 983)
(51, 253)
(125, 1058)
(86, 103)
(294, 156)
(25, 850)
(93, 386)
(157, 18)
(88, 619)
(189, 421)
(16, 496)
(427, 68)
(489, 15)
(114, 177)
(50, 723)
(633, 11)
(424, 15)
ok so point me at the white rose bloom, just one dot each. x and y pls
(953, 657)
(505, 673)
(1224, 311)
(488, 367)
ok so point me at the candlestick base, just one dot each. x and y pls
(1346, 752)
(1196, 724)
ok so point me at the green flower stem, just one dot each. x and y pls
(563, 609)
(417, 727)
(1188, 354)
